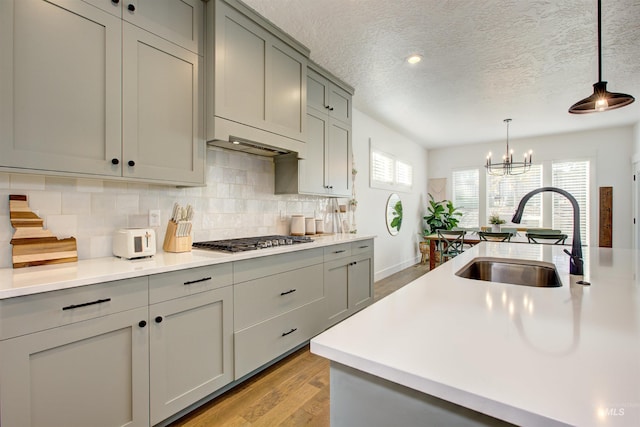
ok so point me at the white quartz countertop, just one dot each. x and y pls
(32, 280)
(530, 356)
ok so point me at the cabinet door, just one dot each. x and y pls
(339, 104)
(92, 373)
(286, 90)
(338, 159)
(336, 280)
(360, 283)
(60, 83)
(240, 67)
(317, 91)
(178, 21)
(311, 170)
(162, 135)
(191, 350)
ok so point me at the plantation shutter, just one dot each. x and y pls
(382, 168)
(572, 177)
(466, 190)
(404, 174)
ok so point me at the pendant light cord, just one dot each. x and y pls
(599, 41)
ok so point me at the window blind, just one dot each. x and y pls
(504, 194)
(390, 174)
(404, 174)
(381, 168)
(571, 176)
(466, 190)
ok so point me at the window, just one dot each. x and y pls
(466, 190)
(574, 178)
(504, 194)
(390, 174)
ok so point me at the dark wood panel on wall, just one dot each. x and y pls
(605, 225)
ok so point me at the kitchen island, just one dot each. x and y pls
(445, 350)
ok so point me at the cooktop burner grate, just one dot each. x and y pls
(251, 243)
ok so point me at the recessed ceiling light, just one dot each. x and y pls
(414, 59)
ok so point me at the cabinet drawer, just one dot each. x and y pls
(266, 266)
(337, 251)
(265, 341)
(23, 315)
(361, 247)
(166, 286)
(267, 297)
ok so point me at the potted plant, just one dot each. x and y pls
(441, 216)
(496, 222)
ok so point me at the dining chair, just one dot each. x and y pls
(553, 238)
(451, 243)
(488, 236)
(512, 230)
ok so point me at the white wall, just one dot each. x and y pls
(392, 253)
(610, 151)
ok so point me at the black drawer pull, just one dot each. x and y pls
(84, 304)
(204, 279)
(363, 247)
(284, 334)
(290, 291)
(339, 252)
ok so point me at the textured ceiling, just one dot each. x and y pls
(483, 61)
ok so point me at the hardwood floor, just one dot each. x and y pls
(292, 392)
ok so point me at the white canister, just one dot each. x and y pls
(297, 225)
(319, 226)
(310, 226)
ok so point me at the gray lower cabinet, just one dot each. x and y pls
(77, 357)
(278, 307)
(190, 337)
(348, 279)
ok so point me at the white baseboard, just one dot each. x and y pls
(379, 275)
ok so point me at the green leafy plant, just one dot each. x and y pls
(494, 218)
(441, 215)
(396, 222)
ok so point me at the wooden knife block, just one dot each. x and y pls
(172, 243)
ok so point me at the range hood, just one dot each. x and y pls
(247, 146)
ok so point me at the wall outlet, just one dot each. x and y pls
(154, 217)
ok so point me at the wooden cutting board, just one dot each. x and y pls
(32, 244)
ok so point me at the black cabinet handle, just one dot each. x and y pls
(131, 163)
(290, 291)
(284, 334)
(204, 279)
(340, 251)
(330, 108)
(363, 247)
(158, 319)
(142, 323)
(131, 7)
(355, 262)
(84, 304)
(327, 107)
(115, 161)
(115, 1)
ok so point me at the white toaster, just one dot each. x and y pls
(134, 243)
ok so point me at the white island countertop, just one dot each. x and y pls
(32, 280)
(530, 356)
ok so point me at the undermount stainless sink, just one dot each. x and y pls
(512, 271)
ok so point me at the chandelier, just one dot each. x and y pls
(508, 166)
(601, 99)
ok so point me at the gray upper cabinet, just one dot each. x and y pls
(178, 21)
(257, 87)
(84, 92)
(326, 168)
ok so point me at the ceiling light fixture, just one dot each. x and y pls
(601, 100)
(508, 166)
(414, 59)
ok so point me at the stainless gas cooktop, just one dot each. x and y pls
(251, 243)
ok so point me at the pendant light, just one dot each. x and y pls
(601, 100)
(508, 166)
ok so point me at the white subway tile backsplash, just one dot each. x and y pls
(76, 203)
(26, 182)
(238, 201)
